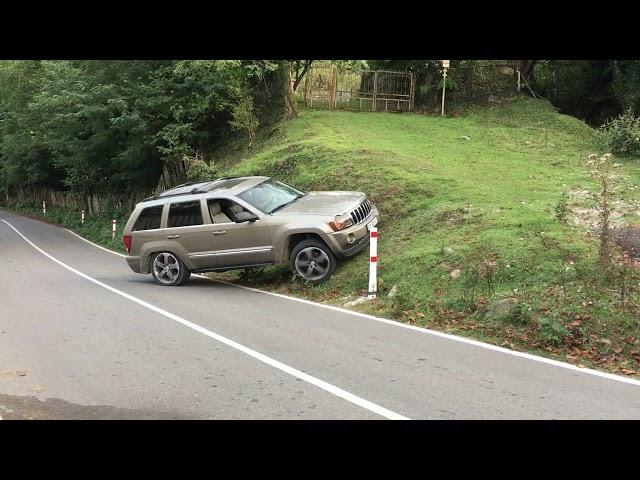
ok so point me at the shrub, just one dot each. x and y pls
(561, 208)
(244, 117)
(622, 134)
(200, 170)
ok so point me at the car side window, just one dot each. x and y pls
(149, 219)
(223, 210)
(185, 214)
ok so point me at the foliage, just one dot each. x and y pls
(592, 90)
(622, 134)
(110, 126)
(244, 117)
(199, 170)
(561, 208)
(552, 331)
(602, 172)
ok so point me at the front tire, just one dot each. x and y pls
(168, 270)
(313, 261)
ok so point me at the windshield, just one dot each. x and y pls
(271, 195)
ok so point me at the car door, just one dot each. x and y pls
(238, 244)
(188, 230)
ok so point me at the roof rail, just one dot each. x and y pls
(194, 191)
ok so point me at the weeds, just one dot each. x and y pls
(561, 208)
(552, 331)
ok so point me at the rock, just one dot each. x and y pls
(502, 308)
(393, 292)
(455, 274)
(358, 301)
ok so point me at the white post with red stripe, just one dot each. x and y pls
(373, 262)
(113, 229)
(44, 207)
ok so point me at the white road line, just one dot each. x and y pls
(477, 343)
(94, 244)
(361, 402)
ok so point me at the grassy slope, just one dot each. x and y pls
(483, 206)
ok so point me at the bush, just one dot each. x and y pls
(622, 134)
(199, 170)
(560, 209)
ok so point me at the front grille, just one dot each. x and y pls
(361, 212)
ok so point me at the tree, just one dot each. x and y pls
(300, 68)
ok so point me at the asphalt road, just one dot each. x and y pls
(81, 336)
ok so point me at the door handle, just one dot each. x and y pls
(221, 232)
(173, 236)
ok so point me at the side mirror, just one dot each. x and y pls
(243, 217)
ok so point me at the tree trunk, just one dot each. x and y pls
(290, 109)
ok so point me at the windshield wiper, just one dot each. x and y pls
(285, 204)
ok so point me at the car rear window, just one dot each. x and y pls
(185, 214)
(149, 218)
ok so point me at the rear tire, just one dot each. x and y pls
(313, 261)
(168, 270)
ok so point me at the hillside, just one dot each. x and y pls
(468, 231)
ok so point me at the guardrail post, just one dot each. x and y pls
(44, 207)
(82, 217)
(113, 229)
(373, 262)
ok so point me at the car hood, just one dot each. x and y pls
(324, 203)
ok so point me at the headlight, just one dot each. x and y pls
(341, 222)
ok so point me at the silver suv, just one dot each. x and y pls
(242, 222)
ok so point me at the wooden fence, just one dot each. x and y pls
(172, 174)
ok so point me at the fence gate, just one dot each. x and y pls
(374, 90)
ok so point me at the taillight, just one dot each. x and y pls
(127, 243)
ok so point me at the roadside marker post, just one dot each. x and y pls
(44, 207)
(82, 217)
(113, 230)
(373, 262)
